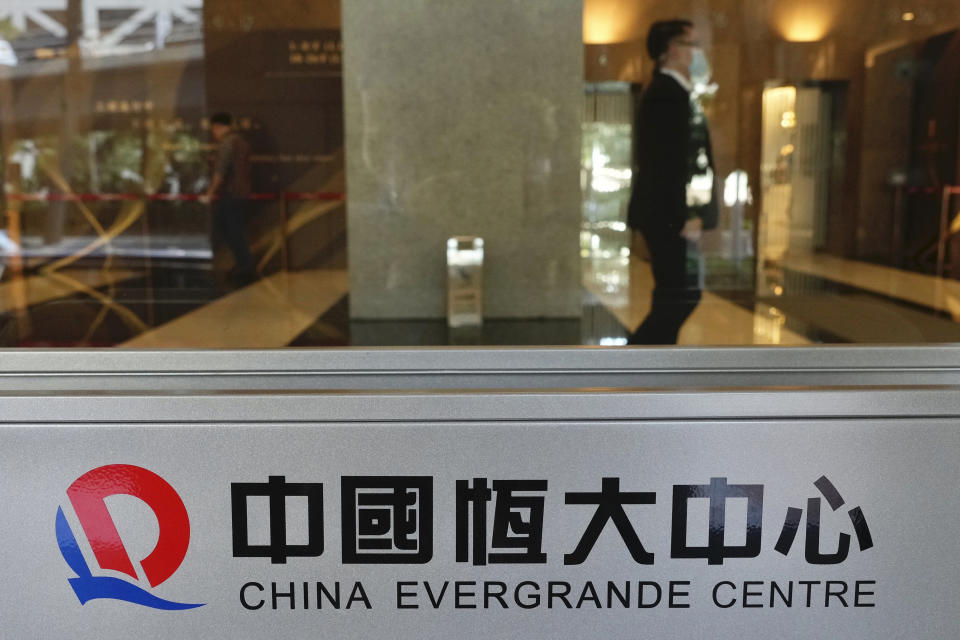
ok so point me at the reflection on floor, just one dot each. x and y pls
(96, 307)
(843, 313)
(928, 291)
(269, 313)
(624, 286)
(811, 299)
(19, 293)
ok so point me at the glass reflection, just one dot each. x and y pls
(830, 169)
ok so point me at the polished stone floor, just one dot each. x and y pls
(816, 299)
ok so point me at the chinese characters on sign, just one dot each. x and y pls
(389, 520)
(511, 531)
(277, 490)
(812, 551)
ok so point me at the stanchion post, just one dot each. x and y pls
(151, 311)
(283, 231)
(944, 222)
(896, 242)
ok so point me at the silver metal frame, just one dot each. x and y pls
(507, 368)
(480, 406)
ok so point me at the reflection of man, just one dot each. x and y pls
(673, 146)
(229, 192)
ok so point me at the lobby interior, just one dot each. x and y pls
(378, 131)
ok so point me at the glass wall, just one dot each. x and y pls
(231, 173)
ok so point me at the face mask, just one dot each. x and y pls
(699, 68)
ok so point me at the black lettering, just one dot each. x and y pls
(358, 594)
(674, 593)
(551, 594)
(610, 501)
(322, 592)
(499, 596)
(257, 585)
(716, 588)
(623, 597)
(718, 491)
(401, 594)
(812, 550)
(857, 593)
(787, 599)
(517, 528)
(277, 490)
(751, 594)
(443, 589)
(640, 587)
(460, 594)
(276, 595)
(809, 584)
(522, 538)
(535, 597)
(588, 587)
(830, 593)
(386, 519)
(472, 502)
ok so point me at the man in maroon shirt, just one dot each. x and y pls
(229, 193)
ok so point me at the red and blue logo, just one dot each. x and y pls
(87, 496)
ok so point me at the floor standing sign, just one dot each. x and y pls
(753, 513)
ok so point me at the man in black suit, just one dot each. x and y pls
(672, 147)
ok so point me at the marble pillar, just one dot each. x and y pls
(463, 118)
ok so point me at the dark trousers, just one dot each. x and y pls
(229, 223)
(676, 290)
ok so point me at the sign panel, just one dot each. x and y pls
(486, 515)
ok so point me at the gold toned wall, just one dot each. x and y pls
(294, 108)
(246, 15)
(607, 21)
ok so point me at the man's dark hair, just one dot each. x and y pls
(222, 117)
(661, 33)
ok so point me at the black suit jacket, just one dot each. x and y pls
(666, 152)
